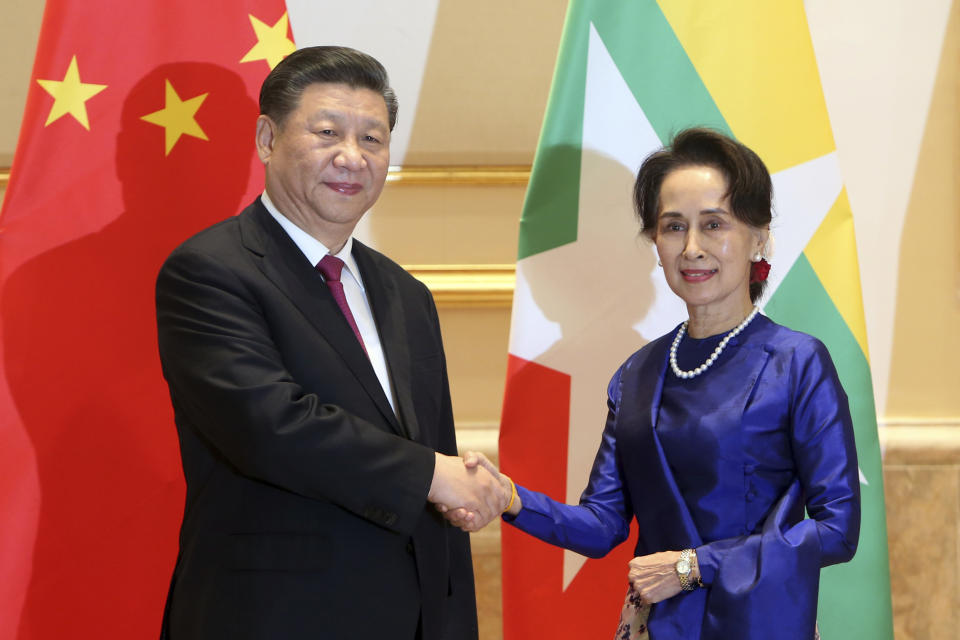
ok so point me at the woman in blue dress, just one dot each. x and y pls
(720, 433)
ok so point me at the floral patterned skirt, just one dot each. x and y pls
(633, 619)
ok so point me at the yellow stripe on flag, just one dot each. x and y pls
(832, 252)
(756, 59)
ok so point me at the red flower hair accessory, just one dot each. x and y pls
(759, 271)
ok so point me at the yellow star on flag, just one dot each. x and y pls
(177, 117)
(70, 95)
(273, 45)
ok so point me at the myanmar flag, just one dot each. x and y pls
(138, 132)
(629, 75)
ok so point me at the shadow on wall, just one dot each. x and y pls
(926, 343)
(81, 356)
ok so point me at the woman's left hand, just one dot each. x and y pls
(654, 576)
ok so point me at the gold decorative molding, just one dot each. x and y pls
(439, 174)
(468, 285)
(927, 443)
(460, 175)
(916, 421)
(453, 285)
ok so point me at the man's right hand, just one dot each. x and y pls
(474, 492)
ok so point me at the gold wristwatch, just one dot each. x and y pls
(684, 568)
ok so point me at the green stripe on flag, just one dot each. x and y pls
(552, 201)
(656, 67)
(649, 57)
(861, 586)
(667, 87)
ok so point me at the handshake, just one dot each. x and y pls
(470, 491)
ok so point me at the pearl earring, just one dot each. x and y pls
(770, 247)
(757, 257)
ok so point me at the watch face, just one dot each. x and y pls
(683, 567)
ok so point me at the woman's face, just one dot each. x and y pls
(704, 248)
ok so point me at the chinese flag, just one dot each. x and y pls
(138, 132)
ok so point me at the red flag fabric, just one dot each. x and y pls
(536, 604)
(138, 132)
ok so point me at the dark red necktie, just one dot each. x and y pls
(330, 267)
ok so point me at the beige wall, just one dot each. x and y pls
(486, 81)
(19, 29)
(481, 103)
(924, 380)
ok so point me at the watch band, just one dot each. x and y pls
(684, 568)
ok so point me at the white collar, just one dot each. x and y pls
(313, 249)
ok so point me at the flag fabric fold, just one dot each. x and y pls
(628, 76)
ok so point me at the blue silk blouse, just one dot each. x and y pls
(726, 463)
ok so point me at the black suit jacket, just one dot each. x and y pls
(306, 512)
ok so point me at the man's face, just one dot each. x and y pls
(327, 163)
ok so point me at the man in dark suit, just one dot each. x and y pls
(312, 406)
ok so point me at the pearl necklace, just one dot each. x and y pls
(680, 373)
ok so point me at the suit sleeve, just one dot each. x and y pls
(228, 383)
(767, 582)
(601, 520)
(825, 457)
(461, 608)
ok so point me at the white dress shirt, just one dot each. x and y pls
(353, 290)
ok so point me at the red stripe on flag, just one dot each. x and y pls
(91, 491)
(534, 434)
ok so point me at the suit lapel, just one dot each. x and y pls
(386, 303)
(665, 520)
(282, 262)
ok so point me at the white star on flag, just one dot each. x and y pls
(601, 297)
